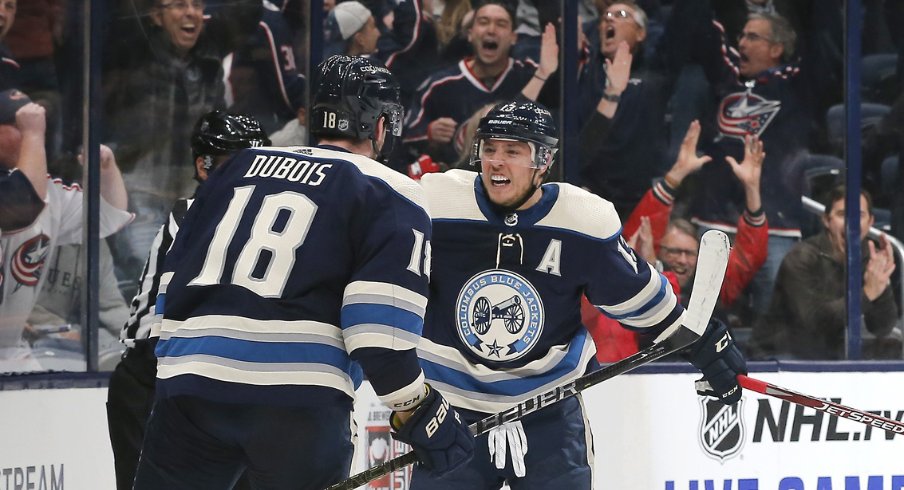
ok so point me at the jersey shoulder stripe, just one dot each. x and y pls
(582, 212)
(451, 195)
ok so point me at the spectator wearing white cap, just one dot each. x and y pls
(352, 23)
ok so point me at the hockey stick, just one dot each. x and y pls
(711, 263)
(826, 406)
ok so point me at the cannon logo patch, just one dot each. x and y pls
(499, 315)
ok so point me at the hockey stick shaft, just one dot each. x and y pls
(682, 338)
(711, 264)
(826, 406)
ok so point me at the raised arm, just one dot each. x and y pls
(618, 71)
(32, 162)
(112, 187)
(657, 202)
(749, 171)
(549, 63)
(751, 243)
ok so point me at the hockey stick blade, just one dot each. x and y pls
(827, 406)
(711, 263)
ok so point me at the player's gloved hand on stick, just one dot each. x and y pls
(513, 434)
(719, 359)
(440, 439)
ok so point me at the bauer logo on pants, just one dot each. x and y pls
(721, 428)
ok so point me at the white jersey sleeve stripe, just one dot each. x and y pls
(650, 291)
(385, 294)
(654, 315)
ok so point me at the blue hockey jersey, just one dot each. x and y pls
(503, 322)
(456, 93)
(293, 266)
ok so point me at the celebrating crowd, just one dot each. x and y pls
(693, 114)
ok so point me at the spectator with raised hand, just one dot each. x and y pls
(450, 96)
(673, 243)
(23, 183)
(806, 319)
(27, 250)
(622, 118)
(153, 93)
(760, 92)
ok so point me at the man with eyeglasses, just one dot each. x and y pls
(154, 91)
(760, 92)
(677, 238)
(623, 101)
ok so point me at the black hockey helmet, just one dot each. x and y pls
(222, 133)
(521, 121)
(351, 94)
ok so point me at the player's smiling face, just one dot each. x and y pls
(182, 20)
(492, 34)
(507, 173)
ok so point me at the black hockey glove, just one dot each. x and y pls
(440, 439)
(719, 359)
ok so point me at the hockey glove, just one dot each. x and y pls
(719, 359)
(511, 433)
(440, 439)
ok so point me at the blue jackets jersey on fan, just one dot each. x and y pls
(503, 322)
(280, 304)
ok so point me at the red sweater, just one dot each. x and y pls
(614, 342)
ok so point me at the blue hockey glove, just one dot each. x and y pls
(440, 439)
(719, 359)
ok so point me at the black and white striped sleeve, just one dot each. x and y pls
(141, 310)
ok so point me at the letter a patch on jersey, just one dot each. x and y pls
(552, 258)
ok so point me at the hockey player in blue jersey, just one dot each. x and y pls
(511, 259)
(295, 268)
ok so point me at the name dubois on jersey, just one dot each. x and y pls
(288, 168)
(499, 315)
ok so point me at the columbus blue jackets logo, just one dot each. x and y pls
(499, 315)
(27, 262)
(722, 431)
(744, 113)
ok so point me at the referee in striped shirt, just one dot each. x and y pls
(216, 136)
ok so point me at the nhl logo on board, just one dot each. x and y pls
(721, 428)
(499, 315)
